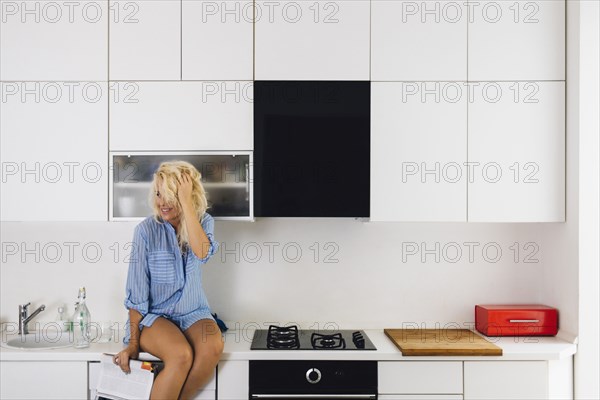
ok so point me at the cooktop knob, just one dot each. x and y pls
(313, 375)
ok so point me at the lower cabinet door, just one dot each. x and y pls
(43, 380)
(233, 380)
(209, 392)
(506, 380)
(426, 378)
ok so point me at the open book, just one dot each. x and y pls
(114, 384)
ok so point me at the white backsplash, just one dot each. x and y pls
(270, 270)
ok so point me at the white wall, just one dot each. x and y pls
(368, 286)
(571, 257)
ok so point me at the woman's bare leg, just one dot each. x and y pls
(207, 342)
(166, 341)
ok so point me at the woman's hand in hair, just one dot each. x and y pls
(184, 189)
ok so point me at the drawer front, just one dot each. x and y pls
(420, 377)
(499, 380)
(43, 380)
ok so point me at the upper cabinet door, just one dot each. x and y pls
(312, 149)
(517, 39)
(145, 40)
(418, 142)
(425, 40)
(46, 40)
(54, 145)
(181, 116)
(517, 152)
(312, 40)
(217, 40)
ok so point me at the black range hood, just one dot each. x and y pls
(312, 148)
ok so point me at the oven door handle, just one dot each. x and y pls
(314, 396)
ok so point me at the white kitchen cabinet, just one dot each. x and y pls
(517, 39)
(506, 380)
(46, 40)
(185, 116)
(420, 377)
(217, 40)
(420, 397)
(418, 151)
(54, 147)
(418, 40)
(209, 392)
(226, 177)
(517, 152)
(233, 380)
(43, 380)
(312, 40)
(145, 40)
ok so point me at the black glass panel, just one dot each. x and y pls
(312, 148)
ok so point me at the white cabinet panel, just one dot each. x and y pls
(517, 152)
(186, 116)
(420, 377)
(517, 39)
(47, 40)
(312, 40)
(506, 380)
(420, 397)
(418, 151)
(54, 147)
(43, 380)
(217, 40)
(209, 392)
(418, 40)
(145, 40)
(233, 380)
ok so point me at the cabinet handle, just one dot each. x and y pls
(247, 180)
(523, 320)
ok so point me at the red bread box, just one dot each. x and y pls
(516, 320)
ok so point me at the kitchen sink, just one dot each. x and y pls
(38, 340)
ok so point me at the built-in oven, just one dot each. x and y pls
(316, 379)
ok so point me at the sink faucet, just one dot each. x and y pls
(24, 318)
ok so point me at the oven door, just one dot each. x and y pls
(304, 379)
(313, 396)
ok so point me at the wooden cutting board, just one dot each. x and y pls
(441, 342)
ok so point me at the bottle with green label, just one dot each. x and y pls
(81, 322)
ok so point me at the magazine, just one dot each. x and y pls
(114, 384)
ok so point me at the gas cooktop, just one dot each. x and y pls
(292, 338)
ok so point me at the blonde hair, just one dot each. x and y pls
(165, 181)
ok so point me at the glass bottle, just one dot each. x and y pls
(81, 322)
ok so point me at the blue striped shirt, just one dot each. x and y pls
(163, 281)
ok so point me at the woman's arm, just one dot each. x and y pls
(134, 328)
(198, 241)
(133, 348)
(137, 297)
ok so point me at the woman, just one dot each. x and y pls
(169, 315)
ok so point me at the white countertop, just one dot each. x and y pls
(237, 347)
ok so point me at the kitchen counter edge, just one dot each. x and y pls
(237, 347)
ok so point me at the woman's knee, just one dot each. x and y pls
(209, 353)
(216, 348)
(205, 362)
(180, 357)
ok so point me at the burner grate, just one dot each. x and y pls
(283, 337)
(322, 341)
